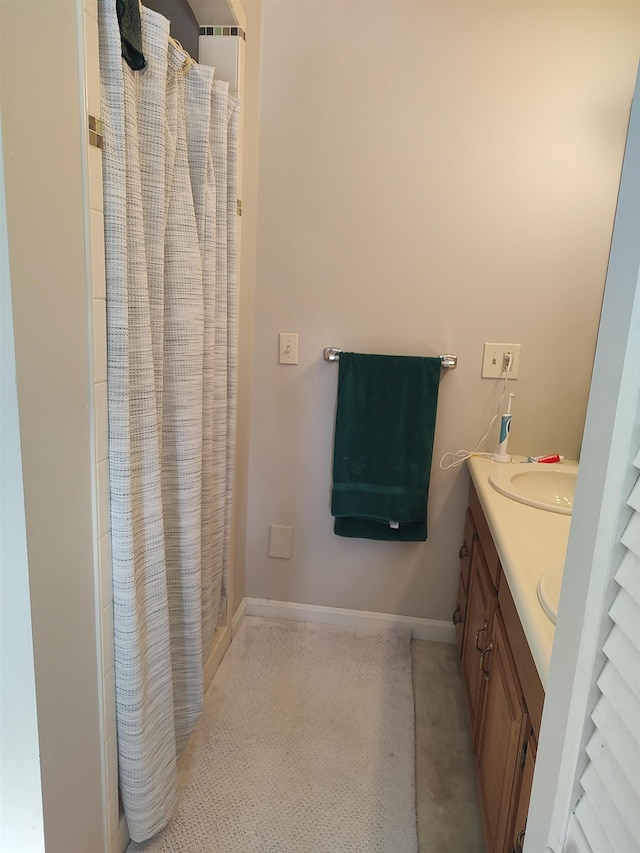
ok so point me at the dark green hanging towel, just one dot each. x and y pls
(128, 13)
(385, 423)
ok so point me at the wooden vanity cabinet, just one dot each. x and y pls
(522, 806)
(504, 693)
(504, 731)
(479, 624)
(464, 555)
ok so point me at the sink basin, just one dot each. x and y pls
(549, 591)
(549, 487)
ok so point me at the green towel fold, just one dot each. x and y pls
(128, 13)
(385, 423)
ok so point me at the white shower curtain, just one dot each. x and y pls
(170, 206)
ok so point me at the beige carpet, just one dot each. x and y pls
(306, 746)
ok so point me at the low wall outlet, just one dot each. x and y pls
(280, 539)
(496, 360)
(288, 347)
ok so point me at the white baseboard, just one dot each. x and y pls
(421, 629)
(221, 640)
(238, 616)
(121, 841)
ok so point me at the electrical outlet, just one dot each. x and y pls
(288, 347)
(496, 360)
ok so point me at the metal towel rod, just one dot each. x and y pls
(448, 360)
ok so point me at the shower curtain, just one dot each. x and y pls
(170, 194)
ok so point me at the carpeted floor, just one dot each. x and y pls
(447, 796)
(306, 746)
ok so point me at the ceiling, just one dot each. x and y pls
(210, 12)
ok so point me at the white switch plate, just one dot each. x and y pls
(288, 347)
(493, 361)
(280, 538)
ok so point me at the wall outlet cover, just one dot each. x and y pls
(493, 361)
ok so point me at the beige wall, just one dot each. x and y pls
(249, 168)
(432, 176)
(43, 115)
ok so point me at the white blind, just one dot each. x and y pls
(609, 810)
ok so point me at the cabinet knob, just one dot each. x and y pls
(457, 616)
(464, 551)
(519, 842)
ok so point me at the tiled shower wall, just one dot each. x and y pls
(115, 837)
(223, 48)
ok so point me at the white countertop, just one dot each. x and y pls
(529, 541)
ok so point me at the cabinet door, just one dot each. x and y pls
(464, 555)
(522, 808)
(505, 729)
(459, 614)
(465, 552)
(480, 605)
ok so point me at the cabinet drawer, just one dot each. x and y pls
(484, 535)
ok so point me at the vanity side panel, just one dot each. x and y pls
(528, 674)
(485, 537)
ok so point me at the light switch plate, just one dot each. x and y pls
(288, 347)
(493, 361)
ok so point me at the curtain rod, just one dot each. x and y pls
(448, 360)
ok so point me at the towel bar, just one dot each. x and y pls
(448, 360)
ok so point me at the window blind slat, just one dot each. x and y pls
(634, 498)
(604, 806)
(623, 699)
(624, 747)
(587, 816)
(625, 800)
(631, 536)
(628, 576)
(626, 614)
(620, 651)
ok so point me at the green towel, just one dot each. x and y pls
(128, 12)
(385, 423)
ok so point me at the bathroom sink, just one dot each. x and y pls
(549, 487)
(549, 591)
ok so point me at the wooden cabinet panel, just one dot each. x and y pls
(522, 808)
(465, 552)
(459, 614)
(480, 606)
(484, 537)
(504, 731)
(527, 672)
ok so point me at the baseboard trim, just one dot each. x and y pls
(238, 616)
(121, 841)
(421, 629)
(221, 641)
